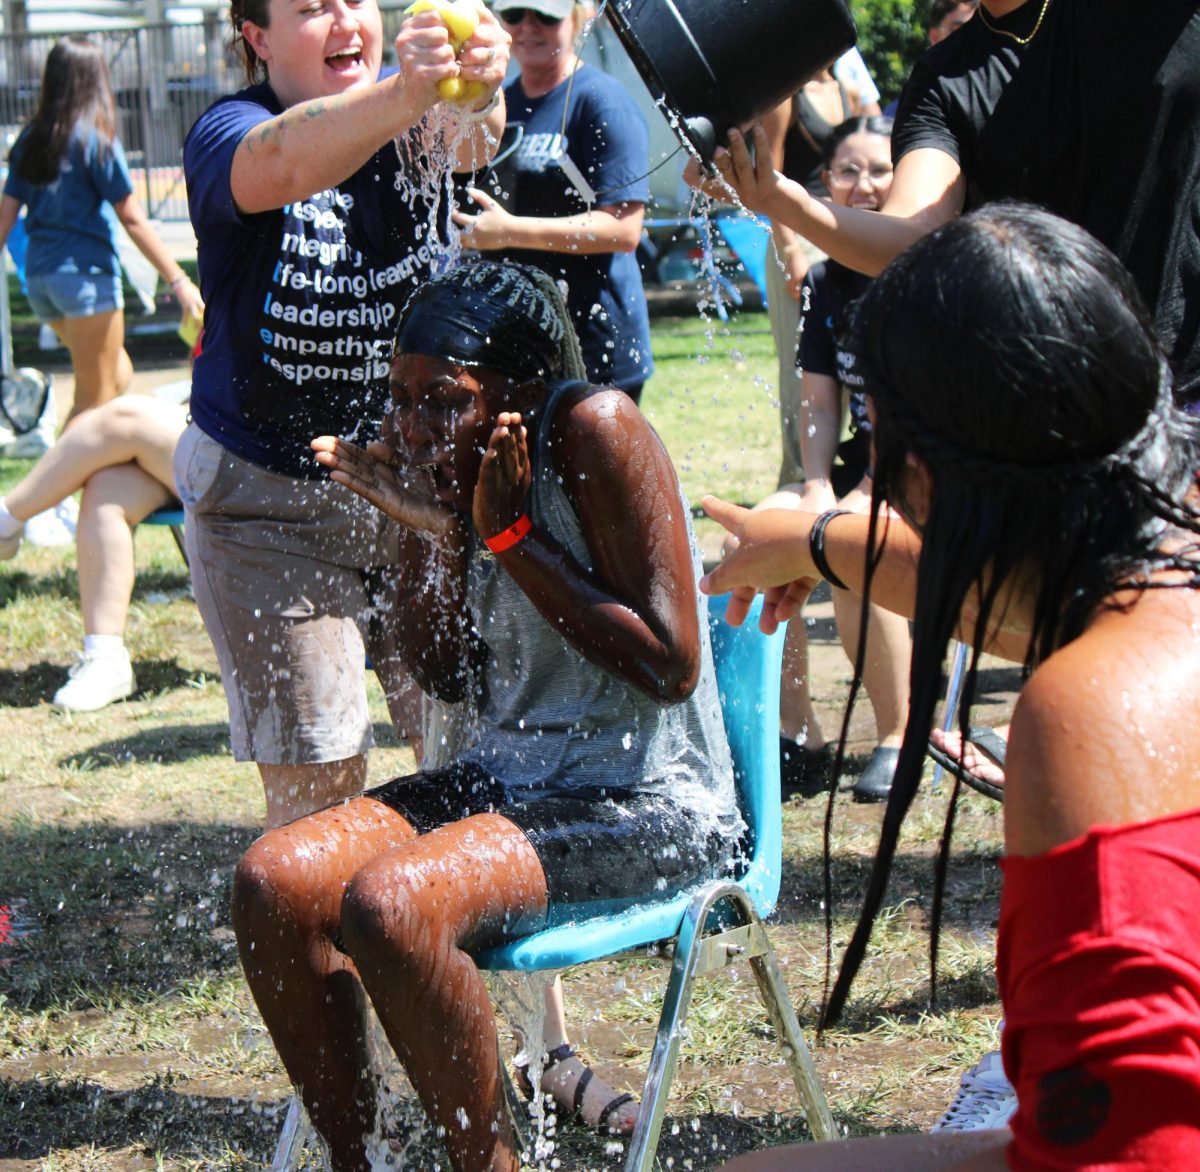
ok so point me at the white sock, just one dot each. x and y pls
(104, 646)
(8, 523)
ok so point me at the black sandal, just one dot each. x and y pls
(985, 739)
(552, 1059)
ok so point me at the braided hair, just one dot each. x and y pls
(500, 315)
(1011, 352)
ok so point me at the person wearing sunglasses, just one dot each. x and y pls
(573, 192)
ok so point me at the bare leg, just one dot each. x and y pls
(797, 716)
(136, 429)
(101, 365)
(979, 1151)
(114, 501)
(295, 790)
(407, 918)
(889, 646)
(885, 672)
(287, 900)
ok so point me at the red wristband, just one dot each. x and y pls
(509, 537)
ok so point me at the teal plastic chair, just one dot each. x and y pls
(173, 518)
(702, 930)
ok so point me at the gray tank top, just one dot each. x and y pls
(550, 719)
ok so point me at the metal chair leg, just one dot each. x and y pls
(293, 1137)
(698, 955)
(177, 533)
(795, 1051)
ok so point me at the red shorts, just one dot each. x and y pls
(1099, 969)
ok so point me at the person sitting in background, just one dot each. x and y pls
(579, 187)
(550, 586)
(68, 169)
(1052, 517)
(120, 455)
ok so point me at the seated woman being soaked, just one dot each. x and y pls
(550, 586)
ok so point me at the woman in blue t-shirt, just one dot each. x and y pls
(578, 186)
(68, 170)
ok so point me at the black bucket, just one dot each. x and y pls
(716, 64)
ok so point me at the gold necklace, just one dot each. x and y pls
(1001, 32)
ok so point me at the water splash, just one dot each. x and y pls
(521, 999)
(400, 1123)
(426, 158)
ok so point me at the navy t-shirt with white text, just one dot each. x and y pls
(301, 303)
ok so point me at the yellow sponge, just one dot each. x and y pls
(461, 18)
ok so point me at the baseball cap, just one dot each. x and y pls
(559, 9)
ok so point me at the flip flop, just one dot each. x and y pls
(988, 741)
(562, 1054)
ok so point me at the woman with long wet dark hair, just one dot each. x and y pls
(68, 169)
(1025, 430)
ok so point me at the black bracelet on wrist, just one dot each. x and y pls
(816, 546)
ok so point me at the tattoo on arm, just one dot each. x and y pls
(275, 131)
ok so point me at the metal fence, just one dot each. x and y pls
(163, 77)
(166, 75)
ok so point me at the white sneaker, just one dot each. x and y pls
(10, 544)
(32, 445)
(54, 527)
(985, 1100)
(96, 680)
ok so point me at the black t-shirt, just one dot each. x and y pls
(831, 291)
(1096, 119)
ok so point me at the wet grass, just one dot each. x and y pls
(127, 1037)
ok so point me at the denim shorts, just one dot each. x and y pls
(53, 296)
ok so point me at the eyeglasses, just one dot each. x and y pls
(849, 175)
(515, 16)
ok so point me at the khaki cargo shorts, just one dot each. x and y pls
(295, 581)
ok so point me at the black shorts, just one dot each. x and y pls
(602, 850)
(852, 464)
